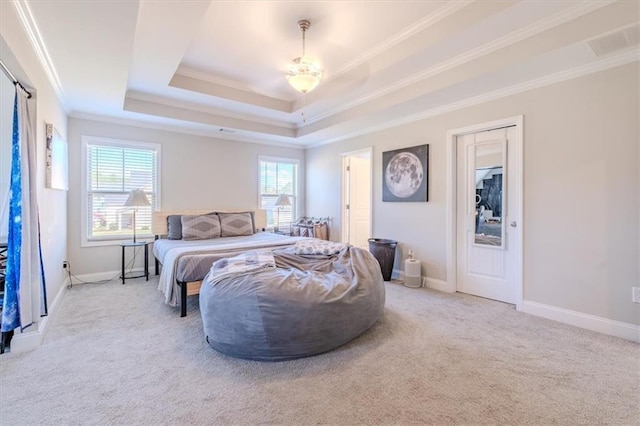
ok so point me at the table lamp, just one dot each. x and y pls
(136, 199)
(283, 200)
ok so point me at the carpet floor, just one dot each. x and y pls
(116, 355)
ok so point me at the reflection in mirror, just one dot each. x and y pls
(489, 164)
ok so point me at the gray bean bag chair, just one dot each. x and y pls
(305, 306)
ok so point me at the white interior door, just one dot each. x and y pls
(357, 198)
(488, 232)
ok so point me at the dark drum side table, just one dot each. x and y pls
(124, 245)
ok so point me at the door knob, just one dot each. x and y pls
(513, 224)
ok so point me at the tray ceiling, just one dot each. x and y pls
(217, 68)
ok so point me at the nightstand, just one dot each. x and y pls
(123, 275)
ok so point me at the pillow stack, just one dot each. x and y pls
(209, 226)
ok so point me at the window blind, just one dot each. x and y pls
(279, 176)
(112, 173)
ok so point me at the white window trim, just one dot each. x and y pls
(295, 161)
(97, 140)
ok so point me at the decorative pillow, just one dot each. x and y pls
(236, 224)
(318, 247)
(174, 227)
(201, 227)
(304, 230)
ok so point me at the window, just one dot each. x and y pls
(113, 169)
(279, 176)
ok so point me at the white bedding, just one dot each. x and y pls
(168, 252)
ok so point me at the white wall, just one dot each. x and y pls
(17, 53)
(581, 196)
(196, 173)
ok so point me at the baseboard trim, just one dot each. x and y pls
(32, 339)
(427, 282)
(578, 319)
(436, 284)
(105, 276)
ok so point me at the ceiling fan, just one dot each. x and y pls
(303, 74)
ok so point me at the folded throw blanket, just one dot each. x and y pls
(315, 247)
(241, 264)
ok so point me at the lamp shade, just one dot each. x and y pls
(137, 198)
(283, 200)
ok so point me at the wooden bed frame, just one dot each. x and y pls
(159, 229)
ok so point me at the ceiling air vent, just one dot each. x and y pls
(618, 40)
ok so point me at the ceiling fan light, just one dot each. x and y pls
(303, 83)
(303, 75)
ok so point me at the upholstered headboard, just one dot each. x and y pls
(159, 218)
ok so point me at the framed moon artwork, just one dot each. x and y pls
(405, 174)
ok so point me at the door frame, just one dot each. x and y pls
(343, 221)
(451, 212)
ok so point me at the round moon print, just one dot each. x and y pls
(403, 175)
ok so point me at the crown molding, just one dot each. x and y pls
(214, 132)
(198, 108)
(30, 26)
(210, 131)
(627, 57)
(558, 77)
(438, 15)
(202, 118)
(211, 85)
(541, 26)
(233, 84)
(210, 78)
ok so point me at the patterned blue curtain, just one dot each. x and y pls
(10, 304)
(24, 268)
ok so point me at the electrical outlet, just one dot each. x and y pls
(636, 294)
(65, 264)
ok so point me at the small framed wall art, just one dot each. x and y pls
(57, 173)
(405, 174)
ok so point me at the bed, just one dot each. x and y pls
(185, 262)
